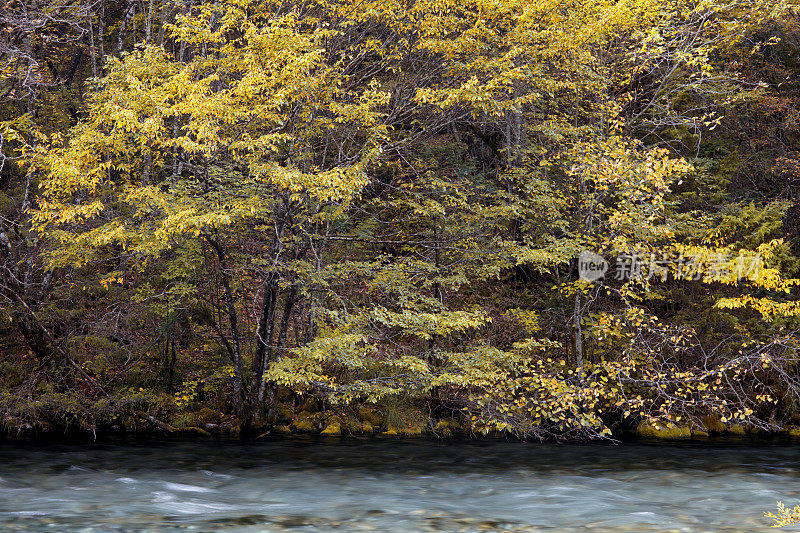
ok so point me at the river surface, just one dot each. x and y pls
(390, 485)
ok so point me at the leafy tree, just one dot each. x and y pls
(379, 201)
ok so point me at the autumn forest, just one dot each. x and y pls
(544, 220)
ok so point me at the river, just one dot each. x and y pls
(394, 485)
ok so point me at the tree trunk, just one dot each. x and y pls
(578, 335)
(238, 389)
(264, 333)
(274, 353)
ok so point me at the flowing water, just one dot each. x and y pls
(390, 485)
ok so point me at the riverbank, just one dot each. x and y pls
(207, 425)
(140, 414)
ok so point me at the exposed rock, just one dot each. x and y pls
(645, 430)
(304, 425)
(334, 429)
(737, 429)
(192, 432)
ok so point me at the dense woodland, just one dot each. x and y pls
(357, 216)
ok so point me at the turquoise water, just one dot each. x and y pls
(389, 485)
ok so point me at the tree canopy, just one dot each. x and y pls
(238, 207)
